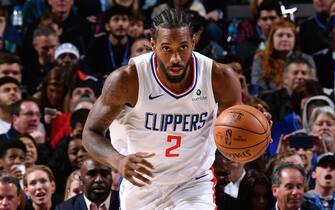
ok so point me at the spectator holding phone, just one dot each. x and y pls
(322, 197)
(320, 124)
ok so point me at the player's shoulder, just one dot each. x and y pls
(123, 77)
(222, 69)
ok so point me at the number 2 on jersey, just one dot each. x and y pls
(168, 151)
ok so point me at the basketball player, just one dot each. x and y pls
(174, 95)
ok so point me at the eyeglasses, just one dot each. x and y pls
(31, 114)
(272, 18)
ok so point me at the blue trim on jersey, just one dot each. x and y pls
(171, 93)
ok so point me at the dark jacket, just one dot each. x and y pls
(12, 133)
(315, 41)
(78, 203)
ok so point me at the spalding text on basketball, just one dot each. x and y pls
(236, 115)
(240, 138)
(244, 154)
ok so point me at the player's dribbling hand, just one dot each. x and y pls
(136, 169)
(261, 108)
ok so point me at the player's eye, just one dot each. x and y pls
(165, 49)
(184, 47)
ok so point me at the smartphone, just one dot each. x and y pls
(301, 141)
(50, 111)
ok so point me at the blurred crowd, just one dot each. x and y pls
(56, 54)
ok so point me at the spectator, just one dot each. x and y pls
(10, 65)
(82, 96)
(267, 13)
(268, 67)
(12, 157)
(256, 191)
(93, 12)
(288, 182)
(31, 148)
(294, 120)
(33, 9)
(97, 182)
(10, 192)
(140, 46)
(231, 197)
(68, 156)
(322, 196)
(284, 156)
(76, 29)
(45, 42)
(247, 27)
(184, 5)
(133, 5)
(112, 50)
(73, 185)
(67, 56)
(9, 94)
(39, 185)
(310, 104)
(315, 41)
(136, 25)
(25, 120)
(320, 124)
(221, 173)
(297, 69)
(52, 93)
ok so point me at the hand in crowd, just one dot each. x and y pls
(15, 171)
(48, 117)
(213, 15)
(319, 145)
(38, 136)
(283, 143)
(261, 108)
(136, 168)
(92, 19)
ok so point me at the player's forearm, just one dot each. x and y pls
(100, 148)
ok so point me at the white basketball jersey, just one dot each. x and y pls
(178, 128)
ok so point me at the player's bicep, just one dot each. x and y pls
(226, 86)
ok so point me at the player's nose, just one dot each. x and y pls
(175, 58)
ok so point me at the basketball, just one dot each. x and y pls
(242, 133)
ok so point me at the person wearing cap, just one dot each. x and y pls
(67, 56)
(9, 93)
(111, 51)
(322, 197)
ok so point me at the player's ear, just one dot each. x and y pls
(153, 44)
(193, 40)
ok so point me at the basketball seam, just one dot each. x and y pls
(231, 126)
(249, 113)
(247, 160)
(245, 147)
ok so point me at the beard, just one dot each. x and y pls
(172, 78)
